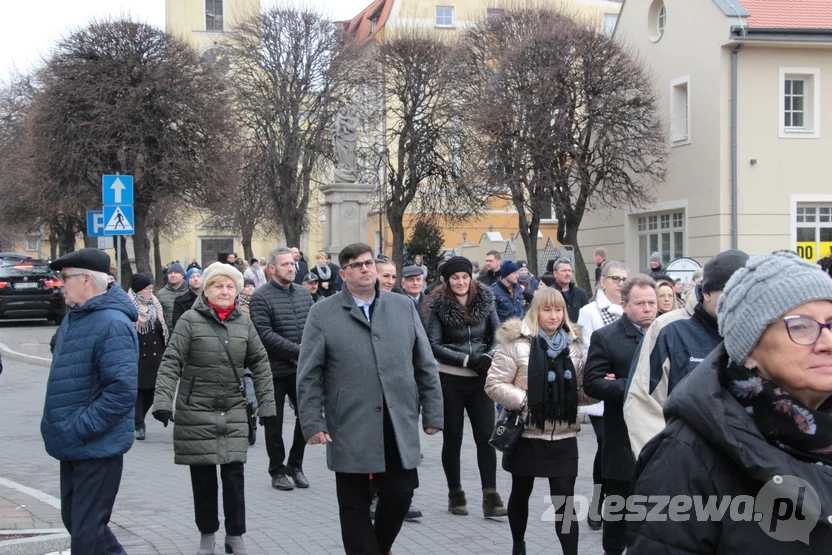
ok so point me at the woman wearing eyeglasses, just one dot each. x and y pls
(753, 419)
(666, 297)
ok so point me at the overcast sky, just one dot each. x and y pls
(33, 26)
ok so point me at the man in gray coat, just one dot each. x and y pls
(365, 371)
(174, 288)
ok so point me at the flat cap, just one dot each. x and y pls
(84, 259)
(310, 277)
(411, 271)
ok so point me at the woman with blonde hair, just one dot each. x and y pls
(666, 297)
(210, 348)
(326, 274)
(538, 371)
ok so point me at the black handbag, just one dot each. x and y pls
(507, 431)
(250, 418)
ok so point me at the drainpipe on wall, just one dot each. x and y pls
(734, 155)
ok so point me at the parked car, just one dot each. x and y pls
(12, 258)
(29, 289)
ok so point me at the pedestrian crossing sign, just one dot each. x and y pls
(118, 220)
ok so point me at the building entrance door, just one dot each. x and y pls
(211, 249)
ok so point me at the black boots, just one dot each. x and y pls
(519, 548)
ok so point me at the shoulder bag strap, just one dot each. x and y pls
(242, 384)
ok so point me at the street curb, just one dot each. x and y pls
(31, 359)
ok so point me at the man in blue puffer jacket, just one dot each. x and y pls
(90, 397)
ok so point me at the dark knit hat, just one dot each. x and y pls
(507, 268)
(83, 259)
(139, 282)
(176, 267)
(454, 265)
(719, 269)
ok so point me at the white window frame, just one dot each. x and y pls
(34, 238)
(673, 85)
(450, 25)
(811, 121)
(802, 201)
(657, 223)
(608, 29)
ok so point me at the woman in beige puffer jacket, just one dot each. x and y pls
(538, 371)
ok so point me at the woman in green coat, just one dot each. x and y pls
(211, 423)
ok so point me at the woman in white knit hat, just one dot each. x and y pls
(211, 346)
(751, 426)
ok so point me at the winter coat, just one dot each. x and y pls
(422, 307)
(509, 304)
(301, 269)
(92, 385)
(183, 304)
(644, 399)
(489, 277)
(452, 339)
(167, 296)
(211, 423)
(575, 298)
(349, 368)
(508, 377)
(715, 453)
(612, 351)
(590, 318)
(333, 276)
(279, 314)
(151, 349)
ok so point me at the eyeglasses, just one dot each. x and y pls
(666, 296)
(64, 277)
(616, 279)
(804, 331)
(357, 265)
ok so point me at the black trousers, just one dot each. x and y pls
(597, 478)
(88, 492)
(360, 535)
(206, 510)
(614, 537)
(518, 510)
(461, 395)
(144, 400)
(274, 434)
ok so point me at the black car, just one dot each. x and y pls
(29, 289)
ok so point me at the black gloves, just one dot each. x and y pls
(480, 364)
(163, 416)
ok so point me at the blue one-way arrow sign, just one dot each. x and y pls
(117, 189)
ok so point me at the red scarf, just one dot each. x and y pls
(222, 313)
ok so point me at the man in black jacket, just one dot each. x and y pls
(301, 268)
(575, 297)
(279, 310)
(611, 352)
(493, 260)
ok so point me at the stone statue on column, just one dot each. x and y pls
(346, 142)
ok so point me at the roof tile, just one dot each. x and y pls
(789, 14)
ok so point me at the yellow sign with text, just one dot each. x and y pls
(825, 249)
(807, 251)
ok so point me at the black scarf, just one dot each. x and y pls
(784, 421)
(551, 401)
(708, 321)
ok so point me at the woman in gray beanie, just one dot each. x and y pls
(756, 412)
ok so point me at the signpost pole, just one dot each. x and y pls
(118, 257)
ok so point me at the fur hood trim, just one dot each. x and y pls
(515, 329)
(452, 315)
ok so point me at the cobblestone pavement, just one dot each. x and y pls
(154, 512)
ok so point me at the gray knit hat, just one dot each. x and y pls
(767, 287)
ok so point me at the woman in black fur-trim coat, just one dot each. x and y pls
(461, 329)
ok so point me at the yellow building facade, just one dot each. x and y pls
(204, 25)
(452, 16)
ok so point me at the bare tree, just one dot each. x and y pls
(285, 65)
(566, 117)
(124, 97)
(424, 140)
